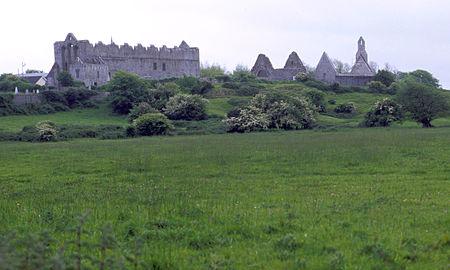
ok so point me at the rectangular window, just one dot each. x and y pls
(164, 67)
(98, 74)
(77, 71)
(155, 66)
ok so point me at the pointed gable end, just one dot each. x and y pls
(294, 62)
(184, 45)
(325, 70)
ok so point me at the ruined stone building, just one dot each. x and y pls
(263, 68)
(95, 64)
(360, 74)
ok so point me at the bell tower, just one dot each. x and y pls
(362, 50)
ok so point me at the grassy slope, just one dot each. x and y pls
(360, 197)
(87, 117)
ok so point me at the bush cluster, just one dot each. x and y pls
(194, 86)
(152, 124)
(52, 101)
(274, 111)
(186, 107)
(345, 108)
(383, 114)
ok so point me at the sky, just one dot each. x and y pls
(406, 34)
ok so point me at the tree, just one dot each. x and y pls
(212, 71)
(374, 66)
(126, 90)
(33, 71)
(65, 79)
(424, 102)
(384, 76)
(242, 74)
(341, 67)
(424, 77)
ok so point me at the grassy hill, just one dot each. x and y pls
(356, 198)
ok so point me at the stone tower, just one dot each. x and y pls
(360, 74)
(362, 50)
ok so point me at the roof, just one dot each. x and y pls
(325, 61)
(33, 77)
(361, 67)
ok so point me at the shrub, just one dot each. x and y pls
(65, 79)
(317, 98)
(345, 108)
(302, 77)
(317, 84)
(383, 114)
(141, 109)
(249, 119)
(76, 97)
(157, 98)
(332, 101)
(377, 87)
(393, 88)
(130, 131)
(242, 74)
(153, 124)
(46, 131)
(51, 96)
(28, 134)
(186, 107)
(285, 112)
(384, 76)
(272, 110)
(231, 85)
(249, 89)
(194, 86)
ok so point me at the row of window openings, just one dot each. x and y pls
(155, 67)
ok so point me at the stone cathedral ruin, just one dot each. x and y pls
(95, 64)
(360, 74)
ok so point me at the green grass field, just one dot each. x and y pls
(85, 117)
(348, 199)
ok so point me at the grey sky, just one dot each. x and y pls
(407, 34)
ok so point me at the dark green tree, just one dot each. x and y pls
(384, 76)
(65, 79)
(424, 77)
(127, 90)
(424, 102)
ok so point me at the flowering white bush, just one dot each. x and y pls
(273, 111)
(383, 114)
(186, 107)
(249, 119)
(46, 130)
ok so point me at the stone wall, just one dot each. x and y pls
(21, 99)
(96, 64)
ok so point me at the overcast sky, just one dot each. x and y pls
(407, 34)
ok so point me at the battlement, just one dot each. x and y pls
(96, 63)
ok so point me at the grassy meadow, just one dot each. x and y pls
(346, 199)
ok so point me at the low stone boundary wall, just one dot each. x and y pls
(21, 99)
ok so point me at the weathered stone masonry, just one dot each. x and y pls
(325, 71)
(95, 64)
